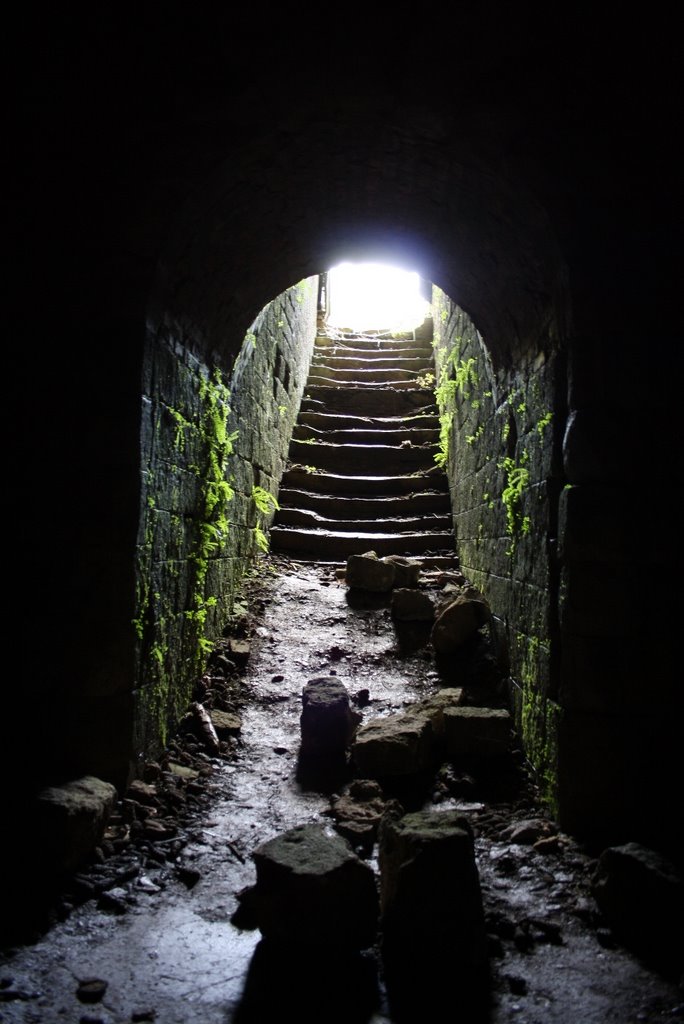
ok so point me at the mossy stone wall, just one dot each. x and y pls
(211, 435)
(500, 433)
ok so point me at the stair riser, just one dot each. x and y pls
(357, 381)
(338, 506)
(362, 459)
(387, 437)
(333, 421)
(364, 375)
(312, 521)
(337, 548)
(373, 486)
(415, 365)
(367, 401)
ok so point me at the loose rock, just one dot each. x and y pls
(476, 732)
(71, 819)
(328, 722)
(400, 744)
(642, 898)
(406, 570)
(412, 606)
(458, 621)
(313, 890)
(368, 572)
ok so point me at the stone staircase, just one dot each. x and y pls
(362, 474)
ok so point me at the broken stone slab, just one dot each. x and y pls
(357, 813)
(412, 606)
(641, 895)
(406, 570)
(430, 898)
(458, 621)
(313, 890)
(368, 572)
(400, 744)
(434, 706)
(226, 723)
(327, 722)
(70, 820)
(476, 732)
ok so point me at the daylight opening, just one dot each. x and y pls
(373, 296)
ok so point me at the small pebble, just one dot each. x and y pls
(91, 990)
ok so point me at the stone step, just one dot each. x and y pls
(303, 432)
(420, 503)
(362, 459)
(368, 401)
(397, 379)
(335, 545)
(385, 345)
(338, 421)
(363, 375)
(379, 361)
(336, 484)
(289, 516)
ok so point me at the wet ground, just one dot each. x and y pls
(163, 937)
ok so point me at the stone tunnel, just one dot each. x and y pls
(188, 184)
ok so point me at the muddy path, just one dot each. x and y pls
(169, 936)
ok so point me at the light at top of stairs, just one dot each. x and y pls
(373, 296)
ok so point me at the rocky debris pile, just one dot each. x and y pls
(83, 842)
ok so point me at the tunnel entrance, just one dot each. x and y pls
(375, 296)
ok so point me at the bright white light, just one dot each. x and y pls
(372, 296)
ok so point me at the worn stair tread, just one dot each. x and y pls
(362, 458)
(377, 400)
(340, 421)
(286, 538)
(379, 361)
(375, 380)
(296, 516)
(356, 435)
(337, 506)
(373, 485)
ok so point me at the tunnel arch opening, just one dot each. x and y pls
(515, 373)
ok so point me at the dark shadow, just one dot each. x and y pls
(326, 774)
(308, 985)
(367, 600)
(430, 985)
(412, 636)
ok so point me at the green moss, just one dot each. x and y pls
(517, 479)
(543, 423)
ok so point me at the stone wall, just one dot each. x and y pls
(214, 444)
(500, 436)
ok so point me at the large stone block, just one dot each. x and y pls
(70, 820)
(313, 890)
(368, 572)
(476, 732)
(430, 888)
(328, 722)
(456, 623)
(642, 897)
(400, 744)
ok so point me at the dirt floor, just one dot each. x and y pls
(154, 930)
